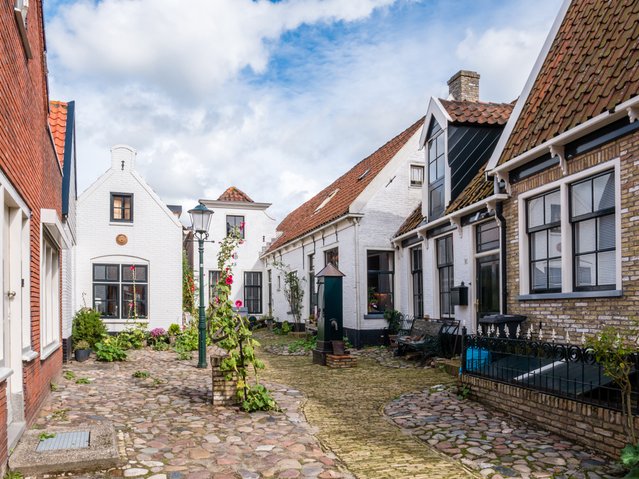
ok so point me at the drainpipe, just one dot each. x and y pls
(499, 210)
(357, 298)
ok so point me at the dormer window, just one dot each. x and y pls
(436, 170)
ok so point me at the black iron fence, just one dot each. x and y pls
(564, 370)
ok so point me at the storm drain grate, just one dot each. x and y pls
(65, 440)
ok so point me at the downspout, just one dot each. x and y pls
(358, 316)
(499, 214)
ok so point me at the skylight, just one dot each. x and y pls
(326, 200)
(363, 174)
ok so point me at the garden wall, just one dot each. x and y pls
(594, 427)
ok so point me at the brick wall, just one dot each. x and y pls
(594, 427)
(27, 159)
(586, 315)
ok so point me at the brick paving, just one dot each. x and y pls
(168, 428)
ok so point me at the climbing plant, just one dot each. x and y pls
(293, 291)
(188, 286)
(231, 332)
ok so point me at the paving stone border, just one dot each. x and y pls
(492, 443)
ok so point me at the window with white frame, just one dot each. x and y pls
(380, 271)
(445, 267)
(49, 294)
(120, 291)
(416, 175)
(592, 216)
(436, 172)
(572, 235)
(544, 234)
(253, 291)
(417, 280)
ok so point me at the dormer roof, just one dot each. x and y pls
(234, 194)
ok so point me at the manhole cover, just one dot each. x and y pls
(65, 440)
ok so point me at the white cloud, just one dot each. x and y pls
(173, 84)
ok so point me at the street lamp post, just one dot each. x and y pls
(200, 220)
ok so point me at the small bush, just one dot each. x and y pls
(109, 350)
(158, 335)
(88, 326)
(132, 338)
(174, 330)
(187, 340)
(141, 374)
(259, 399)
(160, 346)
(82, 344)
(302, 344)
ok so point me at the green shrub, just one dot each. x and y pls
(82, 344)
(187, 340)
(88, 326)
(258, 398)
(133, 338)
(303, 344)
(394, 319)
(160, 346)
(174, 330)
(110, 350)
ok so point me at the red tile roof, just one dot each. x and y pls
(412, 222)
(58, 124)
(478, 112)
(235, 194)
(477, 190)
(591, 66)
(342, 192)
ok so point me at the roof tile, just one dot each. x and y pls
(592, 66)
(235, 194)
(58, 124)
(478, 112)
(342, 192)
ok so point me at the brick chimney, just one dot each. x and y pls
(464, 86)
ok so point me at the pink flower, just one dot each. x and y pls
(217, 300)
(132, 267)
(229, 280)
(242, 225)
(238, 304)
(241, 241)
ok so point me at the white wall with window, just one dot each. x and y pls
(49, 296)
(570, 241)
(121, 222)
(257, 228)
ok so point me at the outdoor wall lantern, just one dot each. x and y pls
(200, 221)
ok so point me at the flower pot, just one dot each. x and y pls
(82, 354)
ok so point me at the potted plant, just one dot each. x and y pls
(88, 327)
(82, 350)
(174, 331)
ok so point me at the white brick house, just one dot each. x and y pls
(235, 208)
(350, 223)
(122, 222)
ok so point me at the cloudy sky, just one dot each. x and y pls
(278, 98)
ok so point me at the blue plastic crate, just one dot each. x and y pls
(477, 358)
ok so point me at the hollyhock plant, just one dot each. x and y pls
(229, 280)
(238, 304)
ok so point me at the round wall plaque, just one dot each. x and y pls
(121, 240)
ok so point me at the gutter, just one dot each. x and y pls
(313, 231)
(456, 216)
(499, 210)
(555, 145)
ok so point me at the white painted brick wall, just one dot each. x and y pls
(154, 238)
(259, 230)
(385, 204)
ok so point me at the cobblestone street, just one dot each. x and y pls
(385, 419)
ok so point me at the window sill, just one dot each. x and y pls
(374, 316)
(5, 373)
(123, 223)
(612, 293)
(49, 350)
(28, 356)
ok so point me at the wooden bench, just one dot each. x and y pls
(425, 339)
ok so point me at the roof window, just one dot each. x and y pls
(326, 200)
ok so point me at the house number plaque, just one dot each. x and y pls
(121, 240)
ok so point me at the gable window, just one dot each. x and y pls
(253, 291)
(122, 207)
(592, 215)
(417, 276)
(332, 256)
(120, 290)
(214, 278)
(379, 265)
(436, 171)
(544, 234)
(49, 294)
(233, 222)
(416, 175)
(446, 279)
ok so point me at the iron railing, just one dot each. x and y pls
(564, 370)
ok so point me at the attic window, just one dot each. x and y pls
(326, 200)
(363, 174)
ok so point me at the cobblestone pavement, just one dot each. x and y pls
(169, 430)
(491, 442)
(346, 406)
